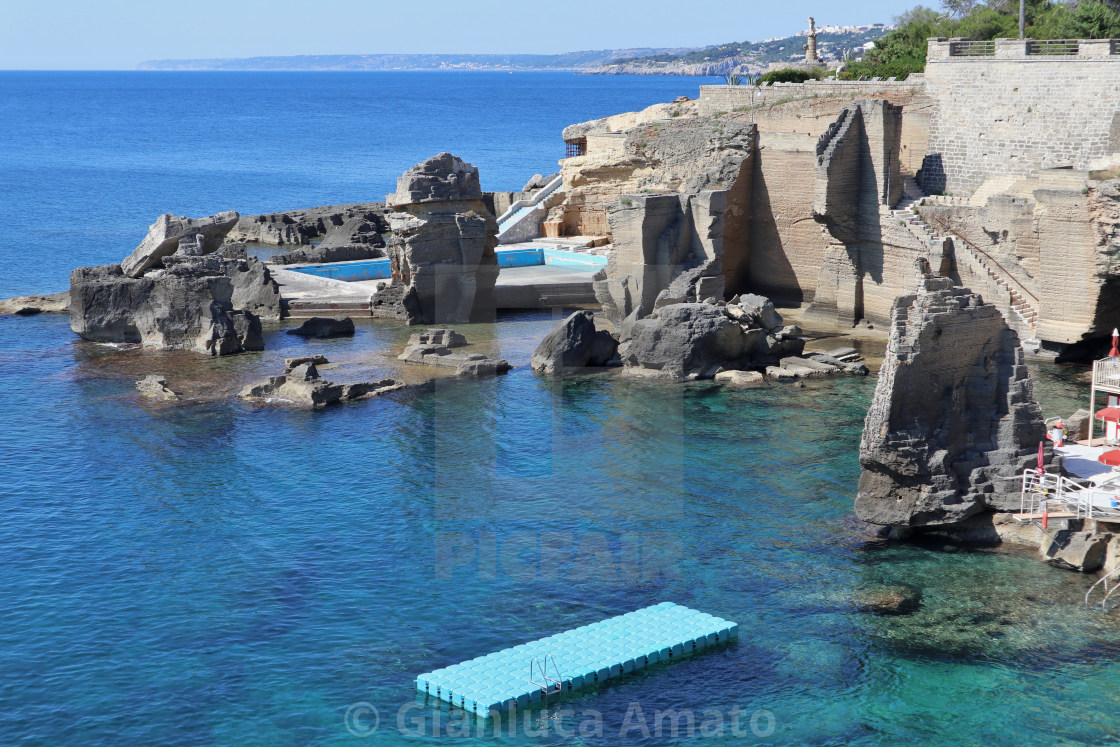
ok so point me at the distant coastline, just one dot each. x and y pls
(718, 60)
(567, 62)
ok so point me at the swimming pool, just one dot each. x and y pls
(378, 269)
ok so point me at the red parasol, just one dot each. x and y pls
(1041, 459)
(1115, 352)
(1110, 458)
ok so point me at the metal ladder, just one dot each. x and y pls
(548, 685)
(1108, 590)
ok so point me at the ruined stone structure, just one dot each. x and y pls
(442, 248)
(868, 258)
(659, 239)
(1015, 107)
(953, 413)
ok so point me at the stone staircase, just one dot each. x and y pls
(997, 185)
(976, 269)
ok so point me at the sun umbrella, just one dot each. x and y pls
(1041, 458)
(1109, 414)
(1111, 458)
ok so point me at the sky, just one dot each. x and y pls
(119, 34)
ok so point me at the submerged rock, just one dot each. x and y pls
(896, 599)
(156, 387)
(575, 345)
(433, 348)
(302, 385)
(952, 414)
(321, 327)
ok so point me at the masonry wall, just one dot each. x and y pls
(786, 245)
(1017, 111)
(715, 99)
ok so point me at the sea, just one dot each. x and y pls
(216, 573)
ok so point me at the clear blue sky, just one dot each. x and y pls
(118, 34)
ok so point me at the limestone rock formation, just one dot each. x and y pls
(359, 224)
(434, 348)
(55, 303)
(575, 345)
(1076, 550)
(181, 307)
(322, 327)
(952, 414)
(667, 249)
(739, 379)
(442, 247)
(446, 337)
(164, 236)
(155, 387)
(324, 254)
(441, 178)
(302, 385)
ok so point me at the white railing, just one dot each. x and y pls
(536, 199)
(1044, 492)
(1106, 372)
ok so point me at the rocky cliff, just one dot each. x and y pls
(952, 414)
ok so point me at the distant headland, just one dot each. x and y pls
(721, 59)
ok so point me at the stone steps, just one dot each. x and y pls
(993, 186)
(1018, 311)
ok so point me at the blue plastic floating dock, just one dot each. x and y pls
(567, 661)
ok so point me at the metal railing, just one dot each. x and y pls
(548, 685)
(1106, 372)
(1053, 46)
(972, 49)
(1008, 277)
(1108, 589)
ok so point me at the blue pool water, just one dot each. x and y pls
(216, 573)
(374, 269)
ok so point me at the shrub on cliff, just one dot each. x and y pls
(788, 75)
(903, 50)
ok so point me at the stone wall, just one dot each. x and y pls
(714, 99)
(786, 245)
(1056, 242)
(1016, 111)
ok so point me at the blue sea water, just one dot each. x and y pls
(216, 573)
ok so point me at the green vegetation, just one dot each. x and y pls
(789, 75)
(761, 54)
(903, 50)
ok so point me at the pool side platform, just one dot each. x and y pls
(533, 275)
(566, 662)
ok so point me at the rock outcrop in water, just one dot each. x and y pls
(55, 303)
(575, 345)
(302, 385)
(184, 310)
(178, 291)
(442, 246)
(698, 340)
(434, 348)
(952, 415)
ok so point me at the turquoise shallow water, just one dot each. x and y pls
(217, 573)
